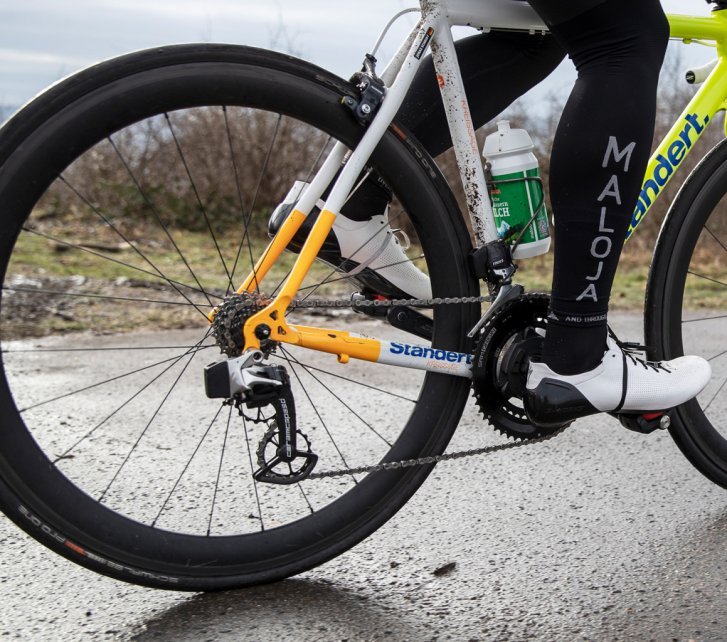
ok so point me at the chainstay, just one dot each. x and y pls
(421, 461)
(434, 459)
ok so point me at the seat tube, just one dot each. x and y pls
(462, 130)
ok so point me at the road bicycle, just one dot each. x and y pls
(135, 249)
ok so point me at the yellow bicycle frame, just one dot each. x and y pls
(666, 160)
(710, 99)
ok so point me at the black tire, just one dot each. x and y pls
(687, 297)
(55, 494)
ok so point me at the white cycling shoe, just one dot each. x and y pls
(368, 252)
(621, 383)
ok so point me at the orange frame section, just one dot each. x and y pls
(342, 344)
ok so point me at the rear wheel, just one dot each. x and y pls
(686, 307)
(135, 197)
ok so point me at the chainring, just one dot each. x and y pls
(506, 344)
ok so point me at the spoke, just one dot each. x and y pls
(714, 236)
(154, 211)
(115, 348)
(252, 470)
(100, 214)
(186, 466)
(318, 159)
(337, 268)
(156, 275)
(202, 208)
(360, 383)
(146, 428)
(707, 278)
(715, 395)
(125, 403)
(343, 403)
(116, 378)
(280, 284)
(721, 316)
(347, 277)
(717, 356)
(235, 171)
(246, 222)
(305, 495)
(219, 471)
(323, 423)
(92, 295)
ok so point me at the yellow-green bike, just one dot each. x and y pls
(135, 250)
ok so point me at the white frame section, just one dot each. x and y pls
(433, 29)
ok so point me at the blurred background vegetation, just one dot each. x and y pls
(243, 162)
(150, 152)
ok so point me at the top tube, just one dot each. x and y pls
(510, 14)
(492, 14)
(711, 28)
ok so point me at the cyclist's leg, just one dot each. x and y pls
(599, 156)
(496, 68)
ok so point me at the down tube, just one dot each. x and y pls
(677, 144)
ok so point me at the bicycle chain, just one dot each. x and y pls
(385, 303)
(433, 459)
(421, 461)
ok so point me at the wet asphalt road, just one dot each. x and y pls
(600, 534)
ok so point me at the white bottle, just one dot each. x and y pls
(510, 155)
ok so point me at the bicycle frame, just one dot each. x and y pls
(705, 104)
(434, 29)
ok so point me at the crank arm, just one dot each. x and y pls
(404, 318)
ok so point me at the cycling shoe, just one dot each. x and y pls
(621, 383)
(368, 252)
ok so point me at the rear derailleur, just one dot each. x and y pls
(284, 454)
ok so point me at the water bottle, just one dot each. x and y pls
(509, 153)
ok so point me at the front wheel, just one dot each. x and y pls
(686, 307)
(135, 196)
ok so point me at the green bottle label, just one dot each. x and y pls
(514, 205)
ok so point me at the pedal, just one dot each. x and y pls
(411, 321)
(645, 423)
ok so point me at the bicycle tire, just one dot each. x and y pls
(688, 266)
(43, 141)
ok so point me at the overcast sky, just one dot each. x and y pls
(44, 40)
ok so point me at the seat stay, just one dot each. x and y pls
(273, 315)
(434, 28)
